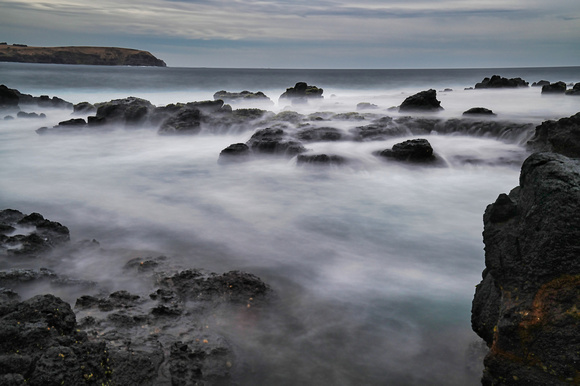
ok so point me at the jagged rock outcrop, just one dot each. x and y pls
(497, 81)
(13, 99)
(107, 56)
(526, 306)
(425, 101)
(561, 136)
(575, 90)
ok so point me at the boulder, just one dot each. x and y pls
(22, 114)
(129, 111)
(366, 106)
(413, 150)
(424, 101)
(301, 92)
(234, 153)
(575, 90)
(554, 88)
(497, 81)
(479, 111)
(274, 140)
(526, 306)
(561, 136)
(84, 108)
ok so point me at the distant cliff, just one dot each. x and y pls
(103, 56)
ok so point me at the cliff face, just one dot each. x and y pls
(527, 307)
(108, 56)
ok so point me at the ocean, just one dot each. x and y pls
(374, 263)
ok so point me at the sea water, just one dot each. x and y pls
(374, 263)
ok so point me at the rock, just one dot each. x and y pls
(423, 101)
(194, 117)
(413, 150)
(541, 83)
(244, 96)
(479, 111)
(320, 159)
(130, 111)
(8, 97)
(32, 235)
(575, 90)
(84, 108)
(235, 153)
(301, 92)
(274, 141)
(526, 307)
(497, 81)
(554, 88)
(562, 136)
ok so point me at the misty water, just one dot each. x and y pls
(374, 263)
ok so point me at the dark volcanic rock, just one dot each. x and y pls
(574, 90)
(301, 92)
(274, 141)
(22, 114)
(562, 136)
(414, 150)
(8, 97)
(29, 235)
(526, 307)
(497, 81)
(366, 106)
(234, 153)
(479, 111)
(130, 111)
(84, 108)
(554, 88)
(422, 101)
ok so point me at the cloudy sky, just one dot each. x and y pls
(310, 33)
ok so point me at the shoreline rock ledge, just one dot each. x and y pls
(527, 307)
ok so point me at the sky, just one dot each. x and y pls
(309, 33)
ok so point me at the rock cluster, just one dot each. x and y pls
(423, 101)
(497, 81)
(163, 336)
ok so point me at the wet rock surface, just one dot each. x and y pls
(413, 150)
(165, 335)
(301, 92)
(561, 136)
(526, 306)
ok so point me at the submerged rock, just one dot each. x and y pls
(320, 159)
(274, 141)
(423, 101)
(561, 136)
(235, 153)
(541, 83)
(497, 81)
(526, 306)
(244, 96)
